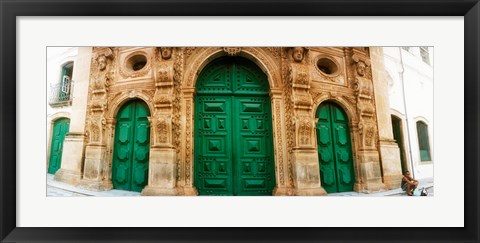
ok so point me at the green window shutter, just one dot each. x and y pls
(423, 141)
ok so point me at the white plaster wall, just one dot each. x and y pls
(418, 83)
(56, 57)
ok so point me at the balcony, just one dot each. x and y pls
(61, 93)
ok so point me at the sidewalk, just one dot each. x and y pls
(427, 183)
(60, 189)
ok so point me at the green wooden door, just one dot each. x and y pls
(334, 149)
(131, 148)
(60, 130)
(233, 130)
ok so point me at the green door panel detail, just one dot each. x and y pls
(334, 148)
(59, 131)
(233, 131)
(131, 147)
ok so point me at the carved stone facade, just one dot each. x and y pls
(300, 79)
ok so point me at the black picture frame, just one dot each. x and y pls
(9, 10)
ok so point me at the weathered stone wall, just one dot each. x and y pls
(300, 79)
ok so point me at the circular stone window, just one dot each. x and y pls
(136, 62)
(327, 66)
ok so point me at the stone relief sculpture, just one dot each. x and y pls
(365, 103)
(166, 52)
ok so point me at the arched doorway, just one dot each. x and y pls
(131, 147)
(398, 136)
(60, 130)
(334, 148)
(233, 130)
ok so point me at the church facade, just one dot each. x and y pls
(227, 121)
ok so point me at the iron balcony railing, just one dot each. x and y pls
(61, 93)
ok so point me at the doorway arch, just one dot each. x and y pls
(131, 148)
(233, 130)
(334, 148)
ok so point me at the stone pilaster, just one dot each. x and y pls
(281, 172)
(389, 150)
(162, 171)
(96, 150)
(306, 170)
(368, 165)
(72, 157)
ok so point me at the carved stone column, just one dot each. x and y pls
(368, 154)
(72, 157)
(188, 141)
(162, 162)
(389, 150)
(96, 149)
(306, 170)
(280, 145)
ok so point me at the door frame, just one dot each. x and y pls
(273, 70)
(232, 98)
(351, 134)
(131, 101)
(350, 110)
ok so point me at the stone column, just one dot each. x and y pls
(188, 141)
(279, 141)
(389, 150)
(94, 177)
(306, 171)
(369, 166)
(72, 157)
(162, 167)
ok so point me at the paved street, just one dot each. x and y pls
(59, 189)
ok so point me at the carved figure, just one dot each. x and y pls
(298, 54)
(166, 52)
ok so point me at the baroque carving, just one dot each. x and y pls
(232, 51)
(279, 145)
(176, 107)
(287, 97)
(166, 52)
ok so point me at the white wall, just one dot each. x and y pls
(418, 97)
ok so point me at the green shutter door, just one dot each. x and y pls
(334, 149)
(131, 148)
(60, 130)
(233, 131)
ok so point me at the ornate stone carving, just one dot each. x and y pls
(279, 145)
(232, 51)
(166, 52)
(164, 73)
(162, 129)
(304, 130)
(298, 54)
(287, 98)
(176, 106)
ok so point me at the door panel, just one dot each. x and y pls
(131, 148)
(253, 157)
(233, 134)
(334, 148)
(213, 145)
(59, 131)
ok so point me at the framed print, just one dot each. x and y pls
(160, 84)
